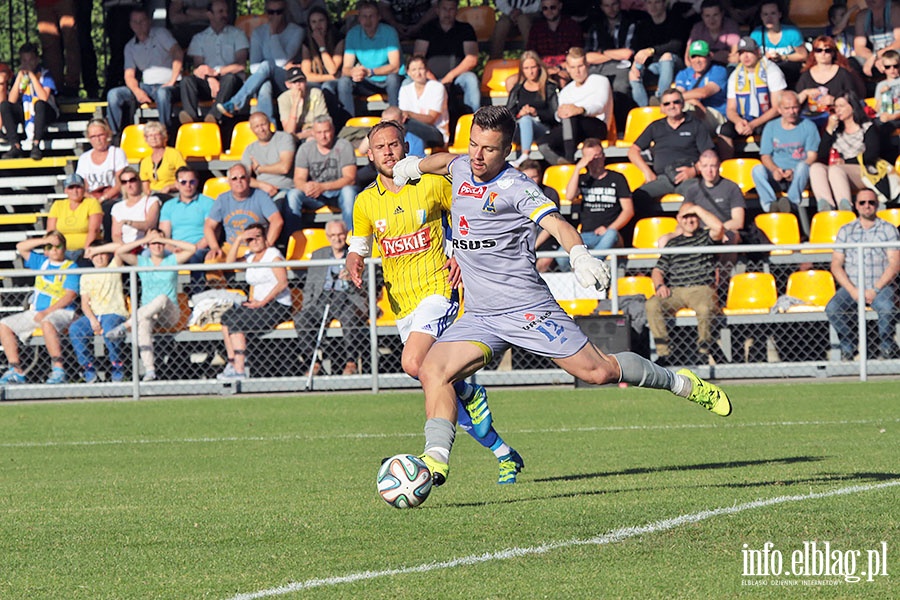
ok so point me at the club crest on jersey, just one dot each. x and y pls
(463, 226)
(381, 225)
(488, 205)
(473, 191)
(505, 183)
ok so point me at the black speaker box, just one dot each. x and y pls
(610, 333)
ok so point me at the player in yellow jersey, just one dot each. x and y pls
(407, 223)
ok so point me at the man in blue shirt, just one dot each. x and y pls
(372, 59)
(182, 218)
(52, 307)
(788, 147)
(704, 85)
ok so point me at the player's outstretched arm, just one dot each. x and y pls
(411, 168)
(589, 271)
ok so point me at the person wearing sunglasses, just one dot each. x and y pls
(235, 210)
(887, 97)
(136, 213)
(52, 307)
(552, 38)
(273, 47)
(159, 298)
(269, 303)
(875, 33)
(880, 274)
(826, 75)
(182, 218)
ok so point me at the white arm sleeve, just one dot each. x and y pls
(360, 245)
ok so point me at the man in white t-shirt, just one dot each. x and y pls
(155, 54)
(585, 108)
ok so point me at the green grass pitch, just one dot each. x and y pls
(275, 497)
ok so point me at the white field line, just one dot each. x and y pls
(360, 436)
(612, 537)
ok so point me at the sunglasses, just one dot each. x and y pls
(274, 11)
(52, 246)
(188, 181)
(547, 8)
(238, 177)
(820, 50)
(675, 102)
(867, 202)
(895, 66)
(127, 181)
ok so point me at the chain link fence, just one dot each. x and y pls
(771, 323)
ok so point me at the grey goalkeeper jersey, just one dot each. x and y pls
(494, 230)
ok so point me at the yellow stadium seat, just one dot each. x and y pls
(496, 72)
(633, 175)
(648, 231)
(557, 177)
(133, 143)
(215, 186)
(247, 23)
(481, 18)
(576, 307)
(814, 287)
(750, 294)
(365, 121)
(891, 215)
(199, 140)
(634, 285)
(825, 226)
(780, 228)
(241, 137)
(636, 122)
(295, 246)
(461, 139)
(314, 239)
(738, 171)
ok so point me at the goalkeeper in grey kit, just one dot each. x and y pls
(495, 214)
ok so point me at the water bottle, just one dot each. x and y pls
(887, 102)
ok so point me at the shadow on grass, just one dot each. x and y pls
(699, 467)
(785, 483)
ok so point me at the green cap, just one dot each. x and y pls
(699, 48)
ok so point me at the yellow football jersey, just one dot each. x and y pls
(409, 230)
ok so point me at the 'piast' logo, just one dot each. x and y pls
(406, 244)
(473, 191)
(463, 225)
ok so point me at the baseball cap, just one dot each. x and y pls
(74, 179)
(295, 74)
(699, 48)
(748, 44)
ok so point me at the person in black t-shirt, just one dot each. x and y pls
(451, 52)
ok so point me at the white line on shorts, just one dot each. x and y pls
(361, 436)
(612, 537)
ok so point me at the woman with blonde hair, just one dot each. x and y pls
(532, 100)
(158, 169)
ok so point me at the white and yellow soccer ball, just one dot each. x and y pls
(404, 481)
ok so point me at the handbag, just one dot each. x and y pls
(882, 179)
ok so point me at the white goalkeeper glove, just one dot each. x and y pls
(407, 170)
(589, 271)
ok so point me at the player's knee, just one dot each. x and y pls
(411, 365)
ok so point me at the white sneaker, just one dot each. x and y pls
(149, 376)
(519, 160)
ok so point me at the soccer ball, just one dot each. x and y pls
(404, 481)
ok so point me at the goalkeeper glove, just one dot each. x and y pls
(589, 271)
(407, 170)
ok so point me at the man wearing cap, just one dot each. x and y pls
(754, 93)
(270, 159)
(154, 56)
(272, 48)
(703, 84)
(300, 105)
(686, 281)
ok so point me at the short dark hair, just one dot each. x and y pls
(184, 169)
(29, 48)
(261, 226)
(496, 118)
(385, 125)
(711, 4)
(530, 163)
